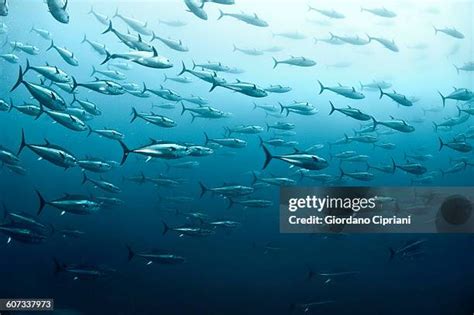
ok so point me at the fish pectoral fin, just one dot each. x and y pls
(149, 263)
(9, 240)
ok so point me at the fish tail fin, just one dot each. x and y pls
(268, 157)
(91, 10)
(206, 138)
(165, 77)
(203, 189)
(109, 27)
(90, 130)
(183, 108)
(435, 29)
(459, 110)
(11, 105)
(134, 114)
(221, 14)
(22, 143)
(108, 56)
(282, 107)
(441, 144)
(361, 86)
(392, 253)
(166, 228)
(394, 165)
(368, 167)
(442, 172)
(261, 140)
(194, 64)
(443, 98)
(235, 48)
(375, 123)
(254, 178)
(193, 116)
(94, 70)
(341, 171)
(183, 70)
(28, 67)
(275, 62)
(116, 13)
(58, 267)
(231, 203)
(254, 106)
(74, 84)
(130, 253)
(332, 108)
(126, 152)
(381, 92)
(42, 202)
(84, 178)
(457, 68)
(19, 80)
(51, 45)
(435, 126)
(322, 87)
(84, 39)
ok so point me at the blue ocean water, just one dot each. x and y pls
(253, 269)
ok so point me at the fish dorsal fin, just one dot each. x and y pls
(57, 70)
(96, 78)
(392, 117)
(53, 96)
(139, 38)
(238, 81)
(339, 84)
(353, 89)
(155, 53)
(64, 7)
(47, 142)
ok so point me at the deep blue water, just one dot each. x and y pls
(234, 272)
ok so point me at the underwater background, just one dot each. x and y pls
(253, 269)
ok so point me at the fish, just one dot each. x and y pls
(227, 142)
(184, 80)
(290, 35)
(227, 190)
(248, 51)
(106, 87)
(196, 7)
(389, 44)
(11, 58)
(65, 119)
(251, 19)
(204, 112)
(395, 124)
(362, 176)
(82, 271)
(281, 126)
(276, 181)
(107, 133)
(412, 168)
(206, 76)
(295, 61)
(195, 100)
(22, 234)
(164, 93)
(456, 168)
(101, 49)
(349, 92)
(67, 55)
(104, 19)
(467, 67)
(27, 109)
(8, 157)
(4, 8)
(244, 129)
(188, 231)
(88, 106)
(350, 112)
(133, 42)
(398, 98)
(171, 43)
(460, 146)
(246, 88)
(277, 89)
(26, 48)
(157, 258)
(158, 120)
(74, 204)
(408, 248)
(51, 73)
(172, 23)
(381, 168)
(299, 159)
(102, 184)
(150, 60)
(459, 94)
(58, 9)
(331, 41)
(50, 152)
(352, 40)
(136, 25)
(450, 31)
(250, 203)
(382, 12)
(333, 14)
(43, 33)
(158, 149)
(94, 165)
